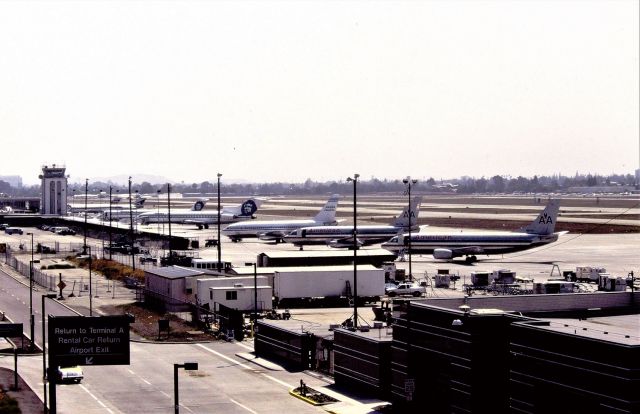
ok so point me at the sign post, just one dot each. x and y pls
(86, 340)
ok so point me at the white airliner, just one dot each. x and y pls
(342, 236)
(102, 195)
(203, 218)
(122, 213)
(275, 230)
(99, 208)
(448, 245)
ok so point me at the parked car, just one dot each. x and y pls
(147, 258)
(13, 230)
(63, 231)
(407, 289)
(70, 374)
(3, 226)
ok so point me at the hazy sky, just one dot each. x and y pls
(289, 90)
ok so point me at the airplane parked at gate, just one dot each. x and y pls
(275, 230)
(342, 236)
(448, 245)
(200, 218)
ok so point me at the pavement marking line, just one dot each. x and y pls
(131, 372)
(95, 398)
(243, 406)
(250, 348)
(223, 356)
(244, 365)
(277, 380)
(165, 394)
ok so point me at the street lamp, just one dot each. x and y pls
(31, 320)
(90, 285)
(188, 366)
(110, 222)
(408, 182)
(131, 234)
(219, 241)
(158, 210)
(44, 350)
(86, 190)
(169, 222)
(355, 252)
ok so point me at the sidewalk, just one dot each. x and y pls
(28, 401)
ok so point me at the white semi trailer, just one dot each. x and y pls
(327, 286)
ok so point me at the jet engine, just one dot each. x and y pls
(442, 254)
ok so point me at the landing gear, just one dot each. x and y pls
(235, 240)
(471, 259)
(206, 226)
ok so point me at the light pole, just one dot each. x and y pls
(86, 191)
(90, 285)
(355, 252)
(169, 221)
(110, 223)
(219, 241)
(31, 316)
(188, 366)
(131, 238)
(44, 350)
(408, 182)
(158, 209)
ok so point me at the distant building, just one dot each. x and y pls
(13, 180)
(53, 199)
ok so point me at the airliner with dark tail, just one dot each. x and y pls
(342, 236)
(449, 245)
(275, 230)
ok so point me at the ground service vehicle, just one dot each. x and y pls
(13, 230)
(407, 289)
(326, 286)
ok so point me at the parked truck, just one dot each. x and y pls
(327, 286)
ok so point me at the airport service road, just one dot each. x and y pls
(224, 383)
(14, 301)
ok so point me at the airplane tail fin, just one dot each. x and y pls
(328, 213)
(199, 205)
(408, 218)
(138, 203)
(545, 223)
(246, 209)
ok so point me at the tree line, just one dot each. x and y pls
(462, 185)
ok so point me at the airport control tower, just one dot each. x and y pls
(54, 190)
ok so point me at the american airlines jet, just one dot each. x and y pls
(448, 245)
(275, 230)
(200, 218)
(342, 236)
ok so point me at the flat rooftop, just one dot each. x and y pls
(622, 329)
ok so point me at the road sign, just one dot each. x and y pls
(61, 285)
(84, 340)
(10, 330)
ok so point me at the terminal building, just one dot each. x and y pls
(500, 354)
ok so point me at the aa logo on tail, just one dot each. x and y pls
(407, 214)
(545, 219)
